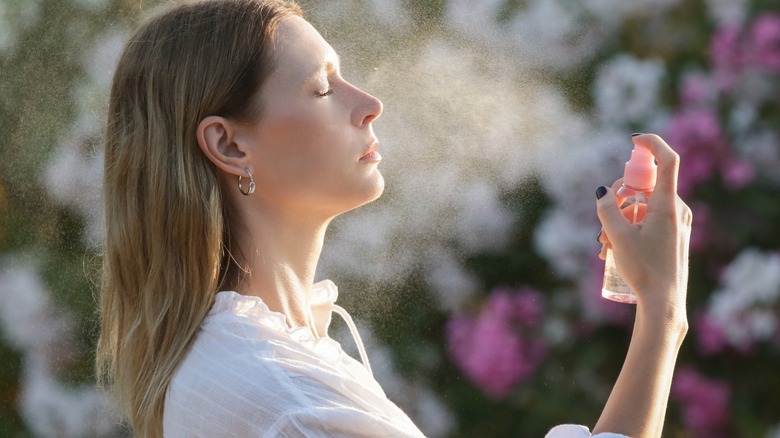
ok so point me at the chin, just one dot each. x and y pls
(374, 191)
(370, 193)
(379, 187)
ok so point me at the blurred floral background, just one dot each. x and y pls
(474, 280)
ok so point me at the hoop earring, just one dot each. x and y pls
(251, 188)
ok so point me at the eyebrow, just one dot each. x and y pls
(330, 64)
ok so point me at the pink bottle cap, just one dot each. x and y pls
(641, 170)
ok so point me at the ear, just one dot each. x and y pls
(217, 140)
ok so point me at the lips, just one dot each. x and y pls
(371, 155)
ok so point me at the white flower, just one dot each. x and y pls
(566, 234)
(26, 316)
(761, 147)
(763, 324)
(475, 18)
(547, 33)
(484, 222)
(30, 321)
(774, 432)
(627, 89)
(561, 240)
(391, 13)
(52, 409)
(745, 305)
(75, 178)
(614, 11)
(556, 330)
(727, 12)
(756, 87)
(451, 283)
(543, 33)
(74, 174)
(100, 59)
(754, 275)
(15, 17)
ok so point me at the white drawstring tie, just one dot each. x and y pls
(355, 335)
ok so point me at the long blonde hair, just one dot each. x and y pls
(167, 249)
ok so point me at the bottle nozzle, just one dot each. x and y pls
(641, 170)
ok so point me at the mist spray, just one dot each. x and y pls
(638, 183)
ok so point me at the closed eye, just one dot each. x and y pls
(326, 93)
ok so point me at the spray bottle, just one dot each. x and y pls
(638, 184)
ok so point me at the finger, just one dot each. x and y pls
(612, 220)
(602, 237)
(686, 214)
(668, 164)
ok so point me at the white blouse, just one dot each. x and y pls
(249, 375)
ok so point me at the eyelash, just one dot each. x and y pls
(324, 94)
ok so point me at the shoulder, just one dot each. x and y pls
(230, 376)
(248, 375)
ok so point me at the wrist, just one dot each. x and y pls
(667, 320)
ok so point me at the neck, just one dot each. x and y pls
(279, 252)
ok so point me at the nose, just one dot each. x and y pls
(367, 109)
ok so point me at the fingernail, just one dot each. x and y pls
(601, 191)
(636, 133)
(599, 236)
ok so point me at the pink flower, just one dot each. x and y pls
(711, 339)
(698, 89)
(762, 48)
(726, 56)
(737, 174)
(522, 307)
(732, 50)
(702, 145)
(498, 348)
(704, 403)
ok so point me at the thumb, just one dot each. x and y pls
(612, 220)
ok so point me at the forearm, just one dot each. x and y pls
(653, 258)
(637, 404)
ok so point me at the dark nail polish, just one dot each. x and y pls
(636, 133)
(599, 236)
(601, 191)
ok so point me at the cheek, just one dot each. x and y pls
(299, 149)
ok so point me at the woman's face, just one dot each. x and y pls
(313, 148)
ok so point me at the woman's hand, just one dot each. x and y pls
(651, 256)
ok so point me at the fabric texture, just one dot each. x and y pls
(249, 375)
(577, 431)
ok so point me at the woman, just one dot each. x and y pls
(232, 142)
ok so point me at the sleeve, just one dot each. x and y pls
(577, 431)
(341, 421)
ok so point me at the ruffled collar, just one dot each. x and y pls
(323, 298)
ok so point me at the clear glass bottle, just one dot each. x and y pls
(638, 184)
